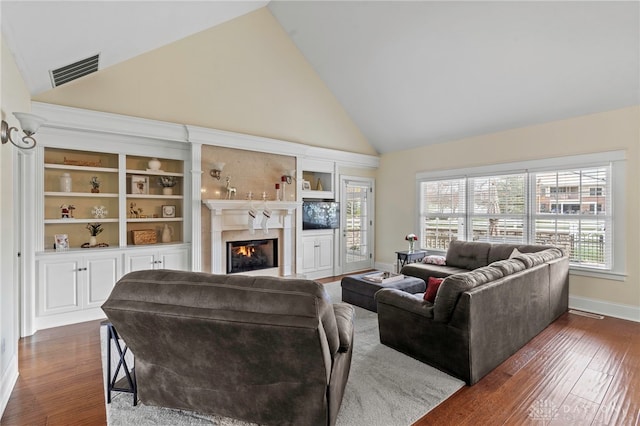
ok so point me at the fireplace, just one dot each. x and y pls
(251, 255)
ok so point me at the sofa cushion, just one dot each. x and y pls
(434, 260)
(432, 289)
(454, 285)
(503, 251)
(543, 256)
(509, 266)
(525, 258)
(468, 254)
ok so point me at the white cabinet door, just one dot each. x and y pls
(100, 276)
(325, 252)
(177, 259)
(59, 286)
(308, 254)
(167, 258)
(140, 261)
(317, 255)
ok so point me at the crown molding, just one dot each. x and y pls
(70, 118)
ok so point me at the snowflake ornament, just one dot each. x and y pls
(99, 212)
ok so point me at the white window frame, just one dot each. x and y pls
(617, 161)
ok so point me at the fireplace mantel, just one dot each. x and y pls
(233, 215)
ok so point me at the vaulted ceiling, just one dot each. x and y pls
(407, 73)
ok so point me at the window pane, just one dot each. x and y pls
(439, 231)
(583, 239)
(444, 196)
(499, 194)
(498, 230)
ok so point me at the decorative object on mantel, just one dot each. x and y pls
(99, 212)
(266, 215)
(94, 229)
(412, 238)
(251, 219)
(95, 184)
(154, 165)
(66, 211)
(30, 124)
(288, 176)
(65, 182)
(216, 169)
(277, 192)
(167, 183)
(231, 190)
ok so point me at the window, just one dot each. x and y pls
(443, 207)
(544, 203)
(576, 220)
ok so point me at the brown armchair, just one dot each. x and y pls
(261, 349)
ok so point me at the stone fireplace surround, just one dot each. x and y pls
(230, 222)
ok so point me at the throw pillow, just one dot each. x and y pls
(434, 260)
(514, 253)
(432, 289)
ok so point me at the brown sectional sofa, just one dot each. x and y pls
(487, 307)
(260, 349)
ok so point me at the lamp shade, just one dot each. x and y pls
(30, 123)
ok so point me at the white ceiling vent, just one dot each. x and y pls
(74, 71)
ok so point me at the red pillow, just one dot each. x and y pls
(432, 289)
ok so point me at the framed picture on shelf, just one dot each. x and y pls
(139, 184)
(169, 211)
(306, 185)
(61, 242)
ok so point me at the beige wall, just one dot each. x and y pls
(614, 130)
(14, 97)
(250, 171)
(245, 76)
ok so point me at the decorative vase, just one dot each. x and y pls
(166, 234)
(95, 190)
(167, 190)
(65, 182)
(411, 245)
(93, 241)
(154, 164)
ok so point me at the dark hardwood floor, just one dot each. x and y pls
(578, 371)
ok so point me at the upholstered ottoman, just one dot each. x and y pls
(360, 292)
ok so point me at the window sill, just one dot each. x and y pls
(594, 273)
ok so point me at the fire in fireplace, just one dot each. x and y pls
(252, 255)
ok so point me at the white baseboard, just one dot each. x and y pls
(67, 318)
(627, 312)
(7, 383)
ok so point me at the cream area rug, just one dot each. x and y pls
(385, 387)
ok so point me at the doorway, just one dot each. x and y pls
(357, 204)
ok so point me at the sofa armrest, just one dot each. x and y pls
(345, 315)
(409, 302)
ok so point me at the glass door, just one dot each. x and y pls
(357, 224)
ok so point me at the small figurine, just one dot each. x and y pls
(66, 211)
(133, 212)
(95, 184)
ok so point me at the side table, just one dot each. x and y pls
(406, 256)
(128, 382)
